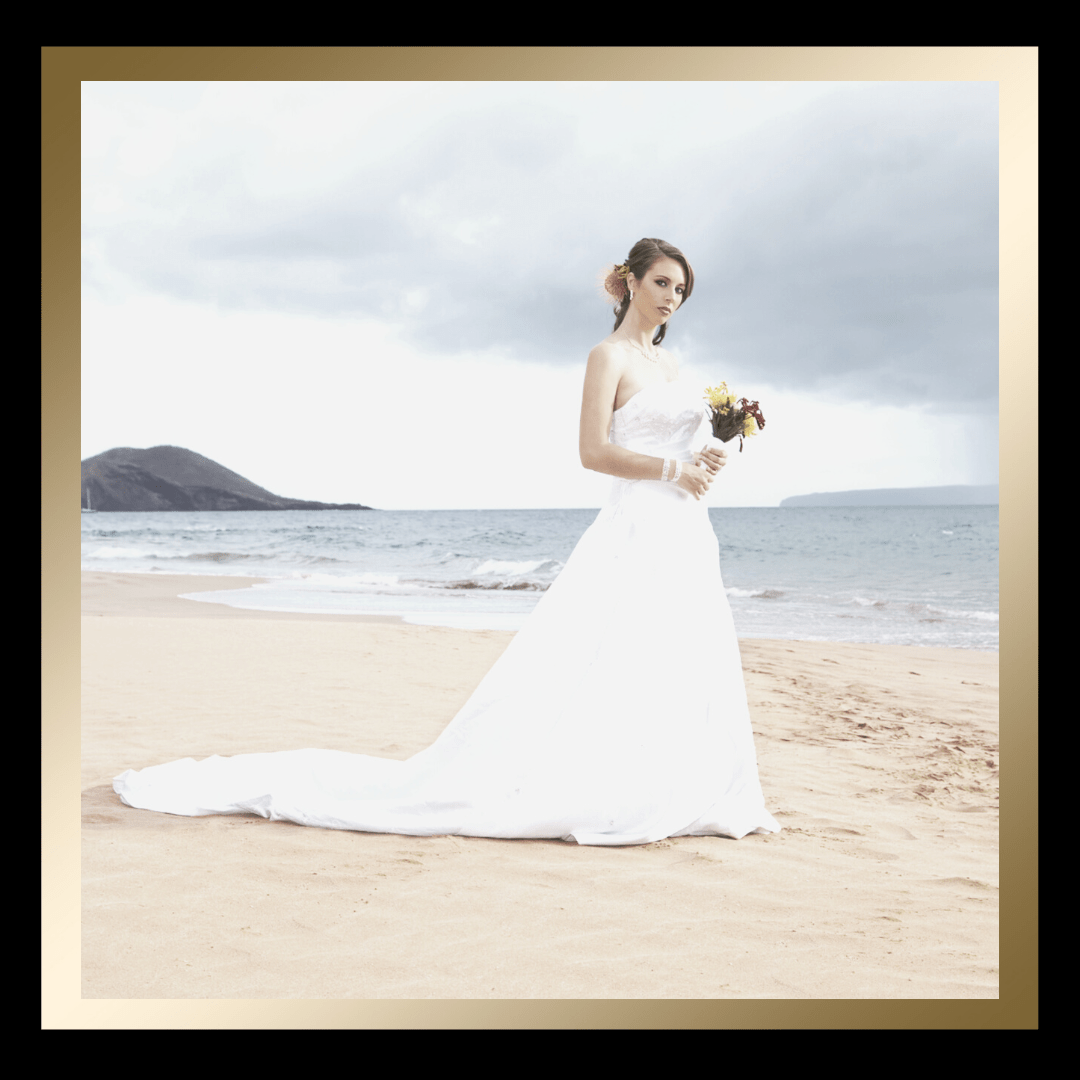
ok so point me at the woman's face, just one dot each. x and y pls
(659, 293)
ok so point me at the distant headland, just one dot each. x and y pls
(172, 478)
(955, 495)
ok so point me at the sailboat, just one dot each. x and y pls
(88, 509)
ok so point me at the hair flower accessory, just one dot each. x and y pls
(613, 283)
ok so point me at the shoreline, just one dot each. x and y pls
(880, 763)
(126, 592)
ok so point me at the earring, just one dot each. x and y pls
(631, 291)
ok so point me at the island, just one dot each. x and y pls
(947, 495)
(172, 478)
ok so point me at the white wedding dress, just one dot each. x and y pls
(617, 714)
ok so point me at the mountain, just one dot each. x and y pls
(172, 478)
(956, 495)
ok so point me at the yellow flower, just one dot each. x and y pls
(718, 396)
(750, 426)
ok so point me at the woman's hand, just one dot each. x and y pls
(694, 479)
(712, 459)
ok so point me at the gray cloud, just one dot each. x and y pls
(862, 248)
(849, 245)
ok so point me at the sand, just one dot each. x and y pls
(880, 762)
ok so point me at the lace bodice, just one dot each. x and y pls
(660, 420)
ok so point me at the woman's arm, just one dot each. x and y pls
(605, 368)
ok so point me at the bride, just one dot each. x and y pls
(617, 715)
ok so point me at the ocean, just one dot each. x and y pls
(913, 575)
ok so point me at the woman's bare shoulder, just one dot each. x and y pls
(604, 372)
(607, 354)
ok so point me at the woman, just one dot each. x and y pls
(617, 715)
(630, 360)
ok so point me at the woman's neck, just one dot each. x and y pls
(634, 328)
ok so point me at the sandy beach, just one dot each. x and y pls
(880, 762)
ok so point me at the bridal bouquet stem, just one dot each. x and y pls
(731, 418)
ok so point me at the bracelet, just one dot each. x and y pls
(667, 465)
(678, 472)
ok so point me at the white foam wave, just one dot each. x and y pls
(126, 553)
(174, 572)
(340, 581)
(978, 616)
(503, 566)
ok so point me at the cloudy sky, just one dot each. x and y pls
(386, 292)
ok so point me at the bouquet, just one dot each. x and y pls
(730, 417)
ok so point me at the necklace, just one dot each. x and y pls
(655, 359)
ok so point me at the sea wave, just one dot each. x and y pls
(756, 594)
(509, 567)
(339, 581)
(978, 616)
(123, 553)
(519, 584)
